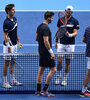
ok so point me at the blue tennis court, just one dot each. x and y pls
(30, 96)
(28, 22)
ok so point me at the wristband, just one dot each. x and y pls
(50, 51)
(7, 44)
(70, 35)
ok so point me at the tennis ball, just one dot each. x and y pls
(20, 47)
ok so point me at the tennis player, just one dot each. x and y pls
(43, 36)
(10, 44)
(86, 39)
(66, 44)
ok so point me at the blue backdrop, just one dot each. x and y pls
(28, 22)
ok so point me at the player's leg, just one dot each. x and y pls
(67, 69)
(68, 57)
(59, 63)
(11, 70)
(51, 64)
(49, 77)
(59, 70)
(84, 91)
(5, 68)
(48, 80)
(13, 80)
(39, 80)
(40, 74)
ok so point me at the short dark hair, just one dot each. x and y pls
(48, 14)
(9, 7)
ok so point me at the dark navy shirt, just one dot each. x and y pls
(10, 27)
(43, 30)
(71, 25)
(87, 39)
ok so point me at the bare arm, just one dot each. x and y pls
(75, 32)
(84, 40)
(46, 42)
(36, 37)
(56, 34)
(58, 29)
(56, 38)
(18, 40)
(7, 41)
(17, 37)
(6, 37)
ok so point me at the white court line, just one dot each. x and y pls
(35, 45)
(46, 10)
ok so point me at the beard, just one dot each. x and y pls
(12, 14)
(68, 16)
(49, 21)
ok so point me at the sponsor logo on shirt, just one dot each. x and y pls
(68, 25)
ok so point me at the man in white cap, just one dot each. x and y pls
(66, 44)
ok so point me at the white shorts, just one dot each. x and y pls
(88, 62)
(66, 48)
(13, 50)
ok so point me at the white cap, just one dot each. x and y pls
(69, 8)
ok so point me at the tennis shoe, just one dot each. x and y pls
(15, 83)
(39, 93)
(6, 85)
(58, 80)
(88, 89)
(85, 94)
(64, 83)
(48, 94)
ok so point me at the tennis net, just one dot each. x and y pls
(27, 65)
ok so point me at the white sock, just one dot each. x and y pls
(59, 74)
(5, 79)
(84, 89)
(65, 76)
(12, 76)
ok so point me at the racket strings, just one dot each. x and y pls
(63, 28)
(63, 17)
(61, 32)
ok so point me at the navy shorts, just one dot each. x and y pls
(46, 61)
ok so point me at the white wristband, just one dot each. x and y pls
(70, 35)
(50, 51)
(7, 44)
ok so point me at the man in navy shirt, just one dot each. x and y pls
(86, 39)
(10, 44)
(66, 44)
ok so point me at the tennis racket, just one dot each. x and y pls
(18, 68)
(63, 28)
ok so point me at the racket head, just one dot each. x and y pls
(63, 18)
(61, 32)
(18, 70)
